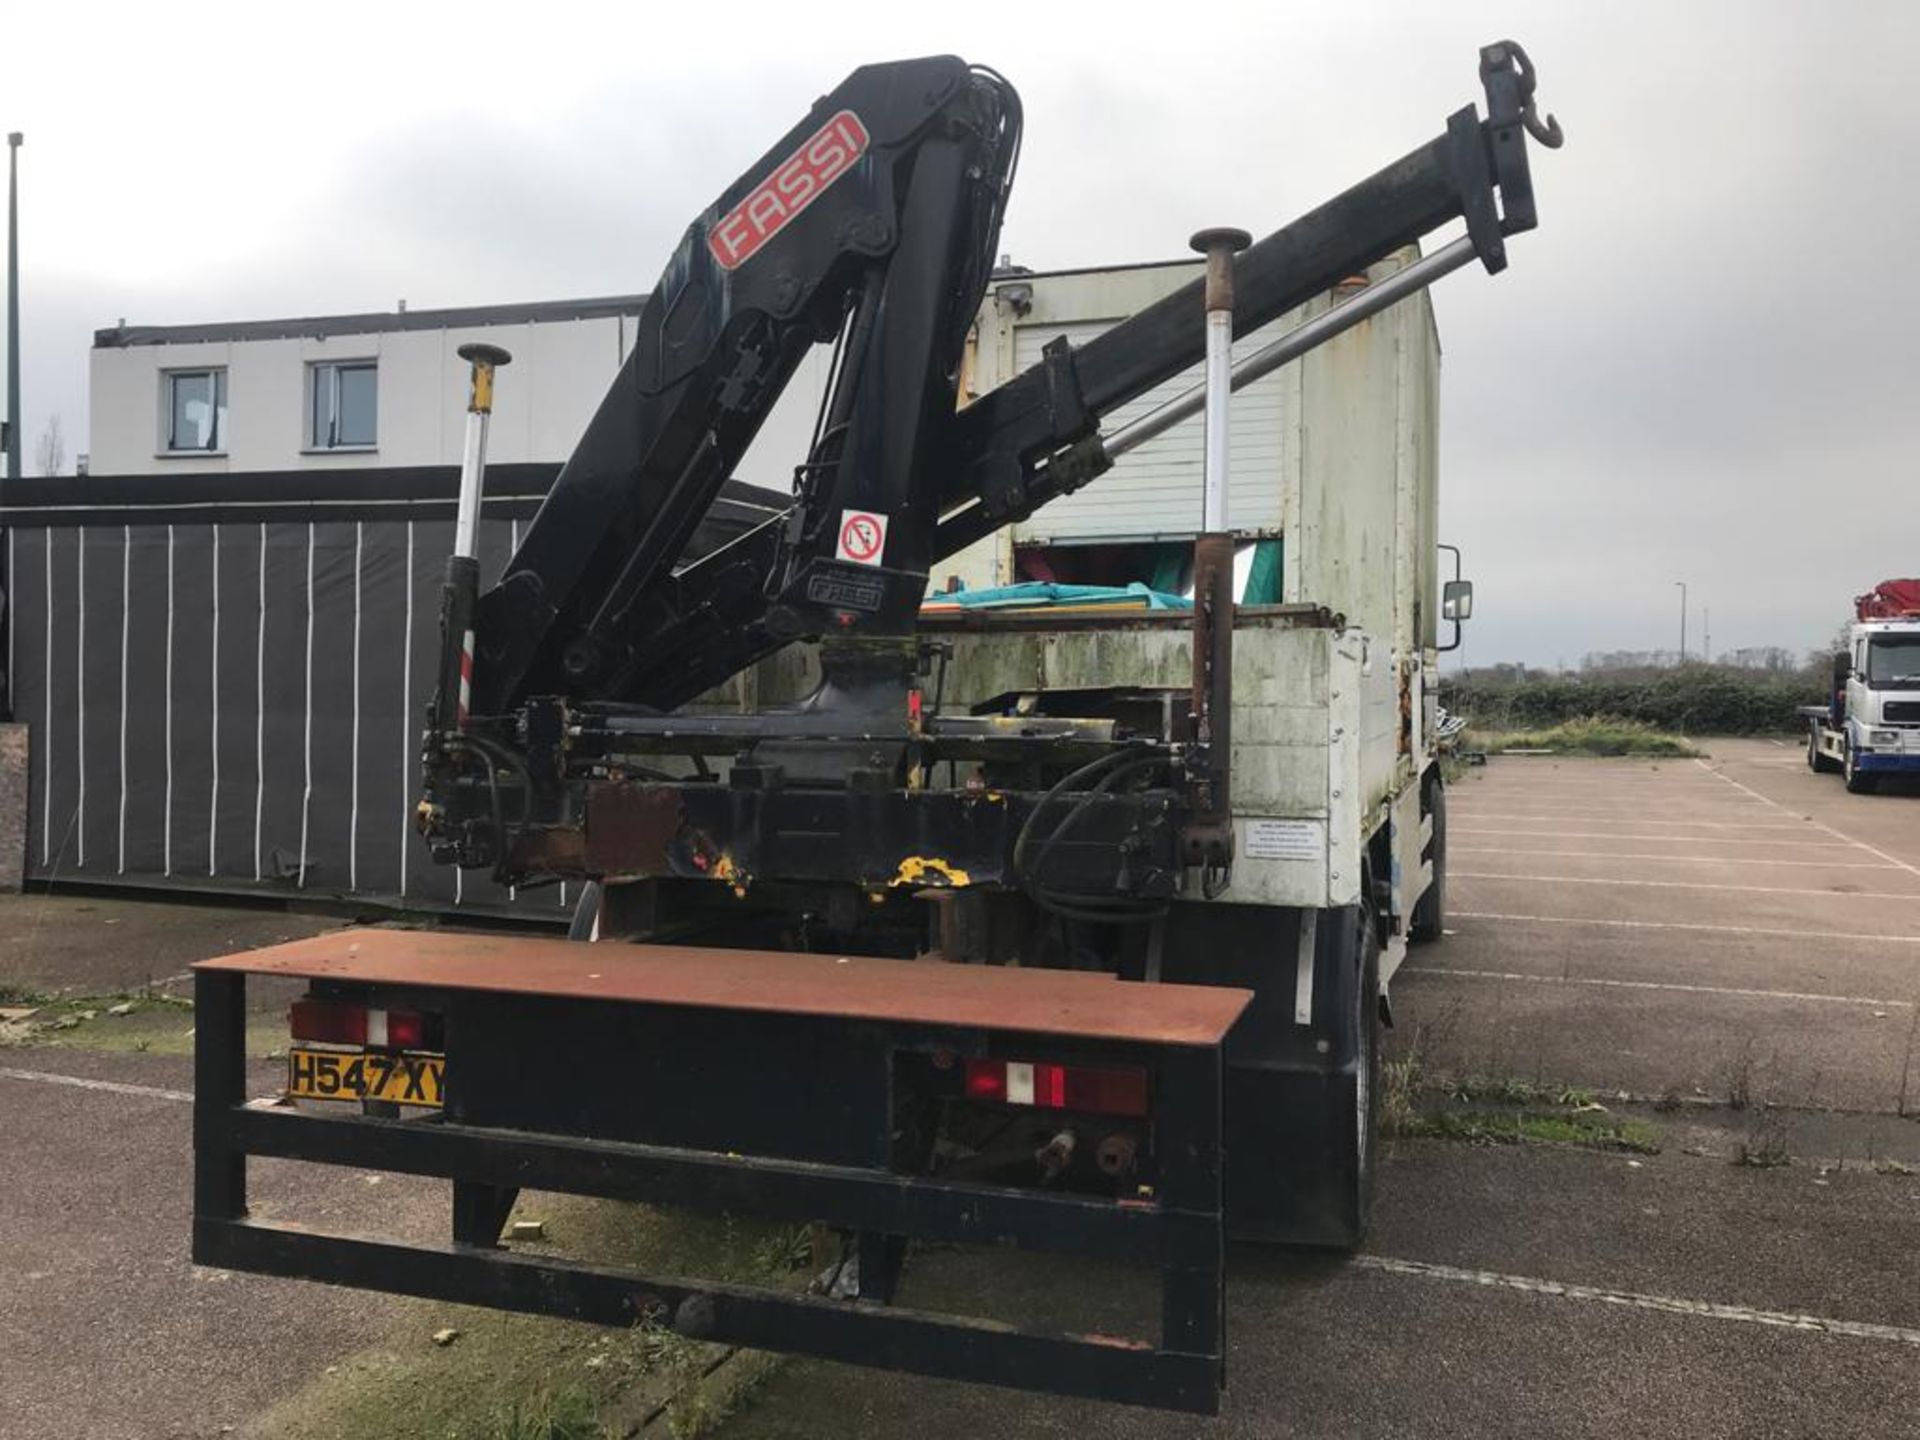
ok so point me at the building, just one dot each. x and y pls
(375, 392)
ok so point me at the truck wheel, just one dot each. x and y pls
(1355, 1163)
(1859, 782)
(1430, 910)
(586, 914)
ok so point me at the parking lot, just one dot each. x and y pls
(1721, 957)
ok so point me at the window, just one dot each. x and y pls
(1893, 662)
(343, 405)
(195, 417)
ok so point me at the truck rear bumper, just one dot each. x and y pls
(792, 1117)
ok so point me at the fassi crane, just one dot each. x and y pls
(871, 225)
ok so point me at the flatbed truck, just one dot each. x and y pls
(1047, 930)
(1870, 726)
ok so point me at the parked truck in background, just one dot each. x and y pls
(1000, 919)
(1870, 726)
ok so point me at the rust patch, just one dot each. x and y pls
(631, 828)
(993, 997)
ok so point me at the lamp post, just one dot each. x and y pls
(1683, 620)
(13, 304)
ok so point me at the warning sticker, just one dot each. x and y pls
(863, 536)
(1285, 840)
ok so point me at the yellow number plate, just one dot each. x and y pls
(350, 1075)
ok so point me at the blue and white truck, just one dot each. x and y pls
(1870, 725)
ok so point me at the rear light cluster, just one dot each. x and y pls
(333, 1022)
(1095, 1090)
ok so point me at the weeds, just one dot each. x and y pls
(1513, 1090)
(1740, 1077)
(568, 1414)
(1586, 1130)
(1764, 1151)
(1587, 735)
(1399, 1090)
(1906, 1064)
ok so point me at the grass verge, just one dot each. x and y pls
(1589, 735)
(522, 1377)
(125, 1022)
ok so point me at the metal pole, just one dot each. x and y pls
(1683, 620)
(484, 360)
(13, 304)
(1209, 841)
(460, 595)
(1219, 246)
(1296, 342)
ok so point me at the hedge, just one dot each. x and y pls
(1696, 700)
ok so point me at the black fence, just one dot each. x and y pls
(226, 676)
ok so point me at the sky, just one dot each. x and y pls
(1701, 368)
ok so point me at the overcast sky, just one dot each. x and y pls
(1701, 367)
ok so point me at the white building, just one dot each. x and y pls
(388, 391)
(378, 391)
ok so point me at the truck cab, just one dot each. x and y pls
(1871, 724)
(1882, 697)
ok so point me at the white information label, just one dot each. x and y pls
(1285, 840)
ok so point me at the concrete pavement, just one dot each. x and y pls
(1726, 936)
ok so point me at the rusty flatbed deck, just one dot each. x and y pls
(1053, 1002)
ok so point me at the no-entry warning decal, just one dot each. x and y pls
(863, 537)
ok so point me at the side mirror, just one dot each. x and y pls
(1456, 600)
(1842, 666)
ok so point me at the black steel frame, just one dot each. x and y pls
(1181, 1229)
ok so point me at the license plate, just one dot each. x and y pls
(350, 1075)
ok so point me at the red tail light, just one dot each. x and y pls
(328, 1022)
(1095, 1089)
(331, 1022)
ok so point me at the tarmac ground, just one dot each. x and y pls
(1720, 957)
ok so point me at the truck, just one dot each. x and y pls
(1047, 916)
(1870, 725)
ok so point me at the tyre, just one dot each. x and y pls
(586, 914)
(1430, 910)
(1859, 782)
(1355, 1160)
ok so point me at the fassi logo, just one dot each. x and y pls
(827, 155)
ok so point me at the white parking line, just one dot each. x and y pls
(1665, 1304)
(1683, 925)
(1820, 824)
(1675, 839)
(1686, 885)
(1602, 984)
(1628, 817)
(1684, 859)
(80, 1082)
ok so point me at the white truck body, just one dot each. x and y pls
(1333, 709)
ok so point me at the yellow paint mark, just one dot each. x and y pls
(929, 870)
(728, 873)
